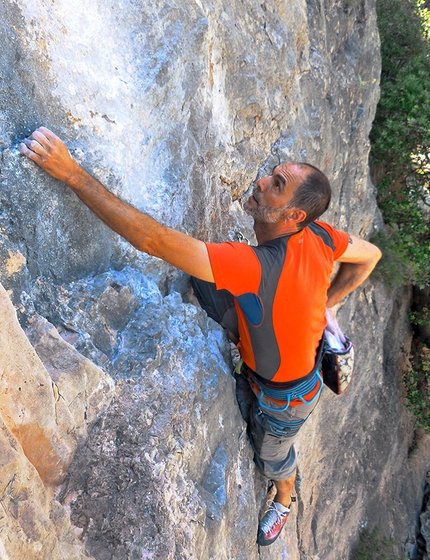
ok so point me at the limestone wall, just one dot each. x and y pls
(178, 107)
(45, 413)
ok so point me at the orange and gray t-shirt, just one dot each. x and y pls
(280, 291)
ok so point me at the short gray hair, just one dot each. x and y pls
(313, 195)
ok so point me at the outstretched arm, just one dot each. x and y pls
(357, 262)
(142, 231)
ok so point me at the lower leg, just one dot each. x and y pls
(283, 490)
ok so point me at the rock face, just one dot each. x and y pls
(44, 416)
(425, 524)
(48, 414)
(178, 108)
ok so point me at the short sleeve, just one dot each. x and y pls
(340, 239)
(235, 267)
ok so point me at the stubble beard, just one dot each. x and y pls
(266, 214)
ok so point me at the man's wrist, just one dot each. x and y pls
(77, 177)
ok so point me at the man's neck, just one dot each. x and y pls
(265, 232)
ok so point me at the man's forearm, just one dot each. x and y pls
(135, 226)
(356, 263)
(347, 279)
(142, 231)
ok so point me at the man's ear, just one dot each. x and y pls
(295, 215)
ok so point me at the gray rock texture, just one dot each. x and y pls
(425, 524)
(178, 107)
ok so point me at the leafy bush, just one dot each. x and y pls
(400, 136)
(372, 546)
(395, 268)
(400, 156)
(420, 317)
(416, 381)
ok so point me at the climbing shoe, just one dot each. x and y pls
(271, 523)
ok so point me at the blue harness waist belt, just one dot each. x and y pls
(298, 391)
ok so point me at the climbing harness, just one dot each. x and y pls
(295, 391)
(286, 428)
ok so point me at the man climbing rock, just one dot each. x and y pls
(272, 298)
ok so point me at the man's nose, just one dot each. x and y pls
(262, 183)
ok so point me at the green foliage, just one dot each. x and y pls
(400, 135)
(417, 386)
(395, 268)
(403, 112)
(407, 241)
(420, 317)
(400, 154)
(424, 14)
(372, 546)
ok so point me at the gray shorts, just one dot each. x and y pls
(274, 452)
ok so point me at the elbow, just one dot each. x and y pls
(377, 255)
(144, 245)
(373, 258)
(372, 255)
(150, 245)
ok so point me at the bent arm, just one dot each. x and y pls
(356, 264)
(142, 231)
